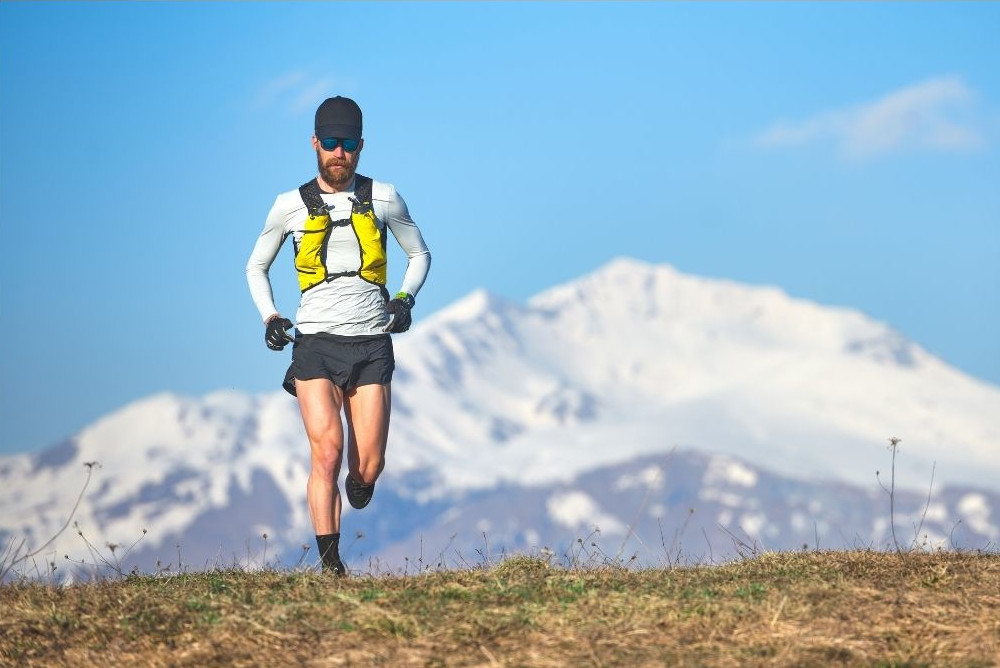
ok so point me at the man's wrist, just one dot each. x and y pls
(405, 297)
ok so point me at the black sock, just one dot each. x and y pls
(329, 550)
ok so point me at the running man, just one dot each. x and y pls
(342, 358)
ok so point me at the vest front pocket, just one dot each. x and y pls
(371, 239)
(309, 260)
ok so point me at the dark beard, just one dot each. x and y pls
(333, 176)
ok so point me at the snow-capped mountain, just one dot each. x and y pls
(636, 358)
(523, 424)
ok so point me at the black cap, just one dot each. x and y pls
(338, 117)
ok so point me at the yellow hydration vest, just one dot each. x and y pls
(310, 250)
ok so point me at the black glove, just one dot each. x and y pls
(275, 336)
(399, 313)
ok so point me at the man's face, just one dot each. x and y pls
(337, 167)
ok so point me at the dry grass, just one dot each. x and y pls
(832, 608)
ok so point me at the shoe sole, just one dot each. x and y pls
(358, 495)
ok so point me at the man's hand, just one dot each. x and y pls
(399, 313)
(276, 336)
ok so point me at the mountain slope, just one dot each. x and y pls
(665, 359)
(496, 404)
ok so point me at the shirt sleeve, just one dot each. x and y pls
(397, 219)
(264, 251)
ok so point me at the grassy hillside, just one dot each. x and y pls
(816, 608)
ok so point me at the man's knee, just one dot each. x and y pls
(369, 469)
(327, 453)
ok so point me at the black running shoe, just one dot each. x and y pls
(334, 566)
(329, 553)
(358, 495)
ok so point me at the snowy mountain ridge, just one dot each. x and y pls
(506, 408)
(643, 349)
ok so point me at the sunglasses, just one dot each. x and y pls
(331, 143)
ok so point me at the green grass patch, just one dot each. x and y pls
(819, 608)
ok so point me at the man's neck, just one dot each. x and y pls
(329, 188)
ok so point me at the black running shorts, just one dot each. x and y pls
(348, 361)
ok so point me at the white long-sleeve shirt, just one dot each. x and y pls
(348, 305)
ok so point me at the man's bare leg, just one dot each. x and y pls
(320, 402)
(367, 408)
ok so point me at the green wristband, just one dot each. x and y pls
(406, 298)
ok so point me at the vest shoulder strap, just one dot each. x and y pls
(309, 192)
(311, 197)
(362, 188)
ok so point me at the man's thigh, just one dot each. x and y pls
(367, 408)
(320, 401)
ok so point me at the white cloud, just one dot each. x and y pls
(295, 92)
(310, 96)
(934, 114)
(272, 90)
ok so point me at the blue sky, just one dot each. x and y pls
(848, 153)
